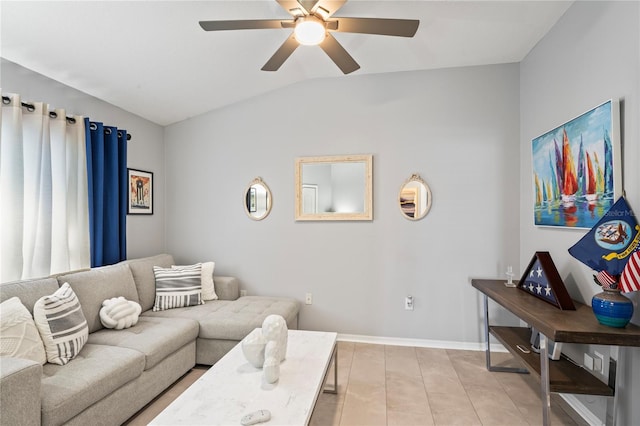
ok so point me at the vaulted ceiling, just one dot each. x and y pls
(152, 58)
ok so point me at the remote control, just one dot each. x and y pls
(259, 416)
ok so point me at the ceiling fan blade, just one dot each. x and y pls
(389, 27)
(250, 24)
(293, 7)
(281, 54)
(339, 55)
(326, 8)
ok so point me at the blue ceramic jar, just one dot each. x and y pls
(611, 308)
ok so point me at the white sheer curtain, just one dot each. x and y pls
(44, 213)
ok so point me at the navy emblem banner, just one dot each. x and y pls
(610, 243)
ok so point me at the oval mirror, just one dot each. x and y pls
(257, 199)
(414, 198)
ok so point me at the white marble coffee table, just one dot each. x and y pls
(233, 387)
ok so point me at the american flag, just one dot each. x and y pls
(630, 278)
(605, 279)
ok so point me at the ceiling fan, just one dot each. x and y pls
(312, 25)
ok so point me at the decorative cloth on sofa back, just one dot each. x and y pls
(98, 284)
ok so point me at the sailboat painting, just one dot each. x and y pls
(576, 169)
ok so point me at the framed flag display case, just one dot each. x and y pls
(542, 280)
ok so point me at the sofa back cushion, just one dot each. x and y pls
(98, 284)
(28, 291)
(145, 281)
(61, 324)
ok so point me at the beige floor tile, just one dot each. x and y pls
(364, 404)
(494, 407)
(438, 373)
(406, 394)
(368, 364)
(471, 368)
(402, 360)
(327, 411)
(407, 418)
(522, 386)
(407, 401)
(456, 409)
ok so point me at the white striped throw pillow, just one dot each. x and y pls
(61, 324)
(178, 287)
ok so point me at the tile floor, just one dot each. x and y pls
(398, 385)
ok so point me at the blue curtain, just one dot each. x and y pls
(107, 181)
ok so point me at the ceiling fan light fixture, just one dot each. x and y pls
(309, 31)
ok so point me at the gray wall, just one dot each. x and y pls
(458, 128)
(145, 234)
(591, 55)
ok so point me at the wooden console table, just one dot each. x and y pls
(579, 326)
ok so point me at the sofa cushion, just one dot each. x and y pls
(98, 284)
(220, 319)
(61, 324)
(28, 291)
(178, 287)
(142, 270)
(156, 338)
(19, 337)
(100, 369)
(208, 287)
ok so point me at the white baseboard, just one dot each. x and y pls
(581, 409)
(419, 343)
(571, 400)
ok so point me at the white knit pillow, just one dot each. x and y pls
(19, 337)
(119, 313)
(62, 325)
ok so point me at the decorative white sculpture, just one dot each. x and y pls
(119, 313)
(274, 328)
(271, 369)
(253, 347)
(266, 348)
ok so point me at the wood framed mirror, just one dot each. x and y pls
(257, 199)
(334, 188)
(414, 198)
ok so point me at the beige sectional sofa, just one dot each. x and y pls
(118, 372)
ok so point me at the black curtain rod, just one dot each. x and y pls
(107, 130)
(30, 107)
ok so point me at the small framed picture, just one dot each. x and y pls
(140, 192)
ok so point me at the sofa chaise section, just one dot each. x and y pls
(118, 372)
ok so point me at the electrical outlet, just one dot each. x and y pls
(588, 362)
(598, 362)
(308, 300)
(243, 293)
(408, 303)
